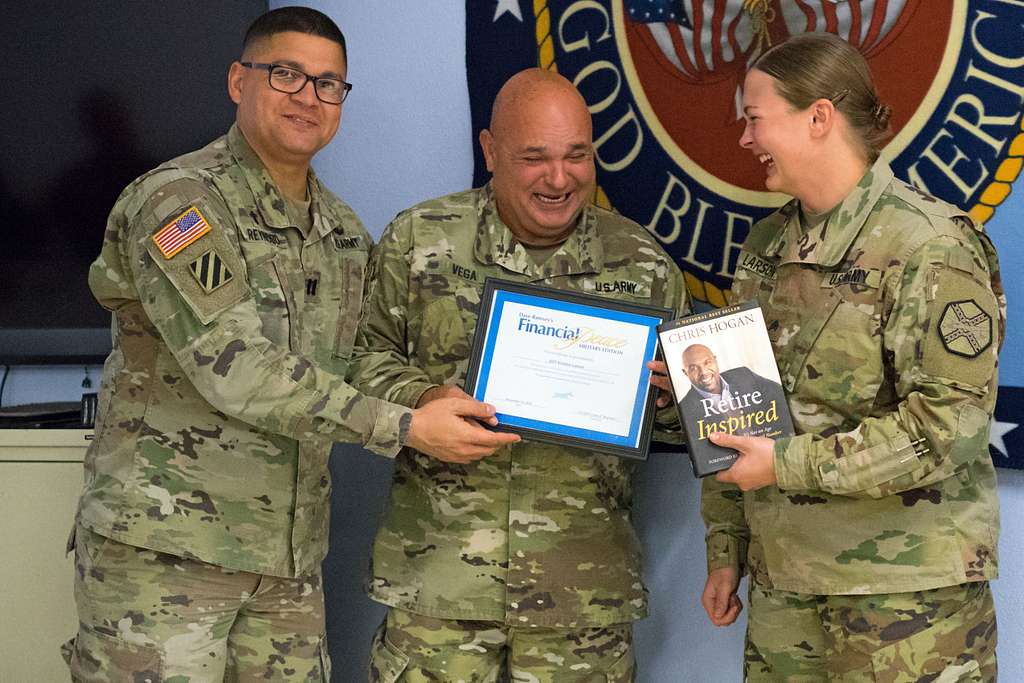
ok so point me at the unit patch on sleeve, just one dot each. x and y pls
(965, 328)
(181, 232)
(210, 271)
(961, 340)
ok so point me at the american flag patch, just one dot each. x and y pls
(181, 232)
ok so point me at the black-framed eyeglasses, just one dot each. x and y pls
(288, 80)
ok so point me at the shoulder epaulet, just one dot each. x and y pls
(766, 230)
(615, 221)
(922, 201)
(450, 207)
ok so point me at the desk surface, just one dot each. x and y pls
(44, 445)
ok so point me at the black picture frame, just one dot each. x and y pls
(489, 335)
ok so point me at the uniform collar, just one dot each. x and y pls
(826, 244)
(268, 199)
(495, 244)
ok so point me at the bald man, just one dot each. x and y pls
(701, 367)
(524, 563)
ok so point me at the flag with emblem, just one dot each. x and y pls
(181, 232)
(210, 271)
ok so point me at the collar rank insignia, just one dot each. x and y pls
(210, 271)
(965, 328)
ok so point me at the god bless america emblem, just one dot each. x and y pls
(662, 80)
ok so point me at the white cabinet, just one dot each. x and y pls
(40, 481)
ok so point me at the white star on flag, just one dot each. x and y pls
(510, 6)
(996, 434)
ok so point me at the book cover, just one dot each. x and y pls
(724, 377)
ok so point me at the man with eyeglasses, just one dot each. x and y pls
(235, 279)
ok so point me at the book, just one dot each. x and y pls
(725, 378)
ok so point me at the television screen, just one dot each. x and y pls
(95, 94)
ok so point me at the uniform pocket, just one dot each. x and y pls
(100, 658)
(272, 305)
(443, 338)
(387, 662)
(88, 547)
(956, 646)
(353, 276)
(886, 663)
(795, 334)
(624, 670)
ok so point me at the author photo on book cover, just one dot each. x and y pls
(717, 391)
(869, 536)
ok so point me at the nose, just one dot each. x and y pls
(307, 95)
(556, 176)
(746, 140)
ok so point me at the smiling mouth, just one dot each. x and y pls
(552, 199)
(766, 159)
(302, 121)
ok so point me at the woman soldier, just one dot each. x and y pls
(870, 536)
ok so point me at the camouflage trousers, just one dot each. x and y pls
(149, 617)
(941, 635)
(409, 648)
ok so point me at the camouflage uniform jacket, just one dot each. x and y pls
(886, 322)
(534, 535)
(225, 388)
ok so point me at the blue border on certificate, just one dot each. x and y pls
(636, 422)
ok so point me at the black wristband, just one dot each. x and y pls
(404, 423)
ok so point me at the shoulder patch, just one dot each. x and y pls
(185, 229)
(965, 328)
(210, 271)
(961, 341)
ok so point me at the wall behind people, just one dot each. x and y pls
(406, 136)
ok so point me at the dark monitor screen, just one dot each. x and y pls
(95, 94)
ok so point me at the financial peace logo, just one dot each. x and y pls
(662, 80)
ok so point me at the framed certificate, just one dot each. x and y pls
(566, 368)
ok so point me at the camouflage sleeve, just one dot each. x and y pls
(217, 336)
(726, 533)
(667, 427)
(941, 336)
(381, 365)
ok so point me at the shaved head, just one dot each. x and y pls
(701, 368)
(527, 87)
(540, 151)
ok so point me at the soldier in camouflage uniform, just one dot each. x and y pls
(523, 564)
(871, 535)
(235, 279)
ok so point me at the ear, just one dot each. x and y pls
(823, 117)
(487, 147)
(236, 75)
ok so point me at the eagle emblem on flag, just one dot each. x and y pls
(662, 80)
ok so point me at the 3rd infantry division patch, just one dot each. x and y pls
(210, 271)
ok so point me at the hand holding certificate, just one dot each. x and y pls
(566, 368)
